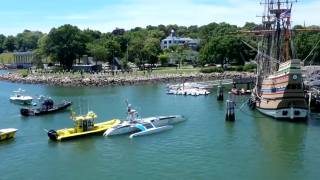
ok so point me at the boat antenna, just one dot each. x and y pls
(80, 106)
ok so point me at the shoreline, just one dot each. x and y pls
(108, 80)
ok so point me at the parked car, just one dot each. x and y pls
(210, 64)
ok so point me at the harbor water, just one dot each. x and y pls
(203, 147)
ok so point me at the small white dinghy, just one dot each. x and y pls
(149, 128)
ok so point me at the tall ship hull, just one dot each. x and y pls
(279, 90)
(282, 94)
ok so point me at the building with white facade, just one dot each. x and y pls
(173, 39)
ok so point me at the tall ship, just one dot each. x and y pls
(278, 91)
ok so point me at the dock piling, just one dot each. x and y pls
(220, 92)
(230, 115)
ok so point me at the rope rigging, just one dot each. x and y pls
(261, 53)
(247, 113)
(312, 50)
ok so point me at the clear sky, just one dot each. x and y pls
(106, 15)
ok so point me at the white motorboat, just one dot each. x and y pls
(133, 118)
(149, 128)
(190, 91)
(183, 85)
(19, 98)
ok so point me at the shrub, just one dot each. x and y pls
(239, 68)
(249, 67)
(23, 72)
(57, 68)
(211, 70)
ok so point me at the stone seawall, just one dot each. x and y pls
(3, 67)
(104, 80)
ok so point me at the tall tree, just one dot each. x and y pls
(99, 53)
(113, 49)
(152, 49)
(135, 48)
(2, 39)
(43, 44)
(27, 40)
(64, 42)
(8, 43)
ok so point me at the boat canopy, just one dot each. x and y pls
(90, 115)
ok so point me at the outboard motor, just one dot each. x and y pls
(24, 111)
(53, 135)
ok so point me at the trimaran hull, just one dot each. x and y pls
(157, 121)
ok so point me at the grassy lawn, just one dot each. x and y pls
(23, 72)
(165, 70)
(6, 58)
(173, 70)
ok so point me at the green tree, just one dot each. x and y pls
(99, 53)
(37, 60)
(2, 39)
(135, 48)
(174, 47)
(164, 59)
(152, 49)
(113, 49)
(43, 44)
(80, 46)
(63, 43)
(27, 40)
(157, 34)
(249, 26)
(93, 34)
(8, 43)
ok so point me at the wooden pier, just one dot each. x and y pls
(248, 81)
(313, 98)
(211, 84)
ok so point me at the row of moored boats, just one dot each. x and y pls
(86, 124)
(193, 89)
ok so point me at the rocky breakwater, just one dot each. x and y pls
(2, 67)
(106, 80)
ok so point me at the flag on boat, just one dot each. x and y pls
(71, 113)
(286, 14)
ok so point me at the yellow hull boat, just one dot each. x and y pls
(73, 132)
(83, 125)
(7, 133)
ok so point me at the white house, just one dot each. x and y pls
(172, 39)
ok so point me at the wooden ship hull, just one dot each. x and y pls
(282, 94)
(279, 90)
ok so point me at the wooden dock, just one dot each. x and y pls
(211, 84)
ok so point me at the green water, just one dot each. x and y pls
(203, 147)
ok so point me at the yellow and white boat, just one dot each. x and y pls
(83, 125)
(7, 133)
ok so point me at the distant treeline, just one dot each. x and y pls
(67, 44)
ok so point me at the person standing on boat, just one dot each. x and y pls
(129, 108)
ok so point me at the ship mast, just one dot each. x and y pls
(286, 44)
